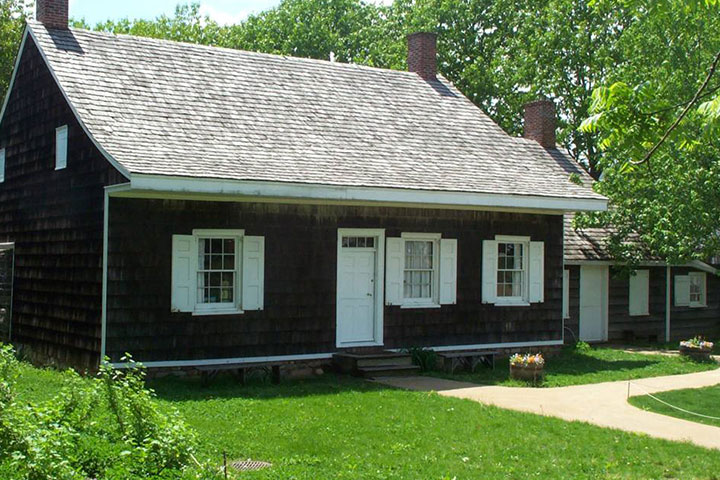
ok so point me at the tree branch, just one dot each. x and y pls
(684, 113)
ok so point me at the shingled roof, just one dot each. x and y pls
(588, 244)
(173, 109)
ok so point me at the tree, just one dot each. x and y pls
(658, 121)
(12, 24)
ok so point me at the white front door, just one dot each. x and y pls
(358, 291)
(593, 303)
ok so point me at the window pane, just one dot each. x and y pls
(216, 278)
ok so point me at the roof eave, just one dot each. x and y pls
(159, 186)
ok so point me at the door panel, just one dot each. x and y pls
(356, 296)
(593, 303)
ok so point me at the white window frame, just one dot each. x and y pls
(61, 147)
(702, 276)
(2, 165)
(524, 299)
(434, 300)
(221, 308)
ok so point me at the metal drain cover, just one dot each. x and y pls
(249, 465)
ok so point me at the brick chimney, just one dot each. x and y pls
(53, 13)
(541, 122)
(422, 55)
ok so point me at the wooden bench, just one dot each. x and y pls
(453, 360)
(209, 372)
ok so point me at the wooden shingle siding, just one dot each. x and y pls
(55, 219)
(685, 322)
(688, 322)
(621, 325)
(300, 280)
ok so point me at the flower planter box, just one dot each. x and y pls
(527, 373)
(696, 353)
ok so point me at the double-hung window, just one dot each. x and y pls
(217, 272)
(691, 290)
(513, 271)
(419, 274)
(698, 289)
(217, 278)
(421, 271)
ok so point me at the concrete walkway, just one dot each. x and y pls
(603, 404)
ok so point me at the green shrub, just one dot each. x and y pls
(109, 427)
(582, 347)
(425, 358)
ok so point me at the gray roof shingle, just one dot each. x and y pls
(175, 109)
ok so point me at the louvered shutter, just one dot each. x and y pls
(253, 273)
(184, 253)
(448, 272)
(682, 290)
(489, 271)
(394, 263)
(537, 272)
(639, 293)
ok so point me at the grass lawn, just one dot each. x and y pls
(344, 428)
(596, 365)
(705, 401)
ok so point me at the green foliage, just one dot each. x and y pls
(302, 427)
(582, 347)
(110, 427)
(12, 23)
(665, 204)
(425, 358)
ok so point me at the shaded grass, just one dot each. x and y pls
(576, 367)
(705, 401)
(343, 428)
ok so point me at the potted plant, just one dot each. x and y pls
(528, 367)
(696, 348)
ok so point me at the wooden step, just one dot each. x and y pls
(350, 362)
(388, 371)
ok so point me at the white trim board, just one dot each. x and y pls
(167, 184)
(483, 346)
(228, 361)
(696, 264)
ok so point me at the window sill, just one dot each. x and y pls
(512, 304)
(208, 313)
(646, 314)
(697, 305)
(420, 305)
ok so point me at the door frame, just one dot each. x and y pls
(379, 234)
(605, 300)
(10, 246)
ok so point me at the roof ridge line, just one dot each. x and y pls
(35, 23)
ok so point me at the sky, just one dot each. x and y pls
(222, 11)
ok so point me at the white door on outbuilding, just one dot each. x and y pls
(594, 303)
